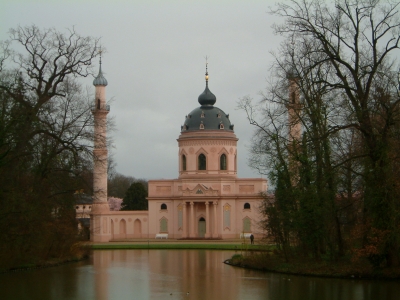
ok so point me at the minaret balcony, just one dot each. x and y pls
(96, 107)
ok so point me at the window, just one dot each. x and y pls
(202, 162)
(184, 162)
(201, 125)
(246, 206)
(221, 126)
(235, 163)
(227, 216)
(247, 224)
(98, 103)
(222, 162)
(180, 217)
(202, 115)
(163, 225)
(164, 206)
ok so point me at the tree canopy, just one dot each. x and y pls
(118, 184)
(135, 197)
(337, 182)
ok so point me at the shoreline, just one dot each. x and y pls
(47, 264)
(321, 269)
(230, 244)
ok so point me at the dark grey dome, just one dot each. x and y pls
(100, 80)
(207, 117)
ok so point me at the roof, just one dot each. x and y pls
(83, 199)
(100, 79)
(207, 117)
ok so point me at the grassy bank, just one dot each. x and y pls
(209, 246)
(78, 252)
(344, 268)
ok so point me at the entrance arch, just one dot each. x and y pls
(202, 227)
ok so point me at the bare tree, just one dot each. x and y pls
(349, 115)
(356, 39)
(45, 140)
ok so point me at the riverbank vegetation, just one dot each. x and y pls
(344, 267)
(328, 136)
(45, 142)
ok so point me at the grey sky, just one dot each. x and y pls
(155, 66)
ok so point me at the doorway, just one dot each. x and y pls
(202, 227)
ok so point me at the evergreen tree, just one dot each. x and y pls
(135, 197)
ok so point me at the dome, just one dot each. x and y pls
(207, 117)
(100, 80)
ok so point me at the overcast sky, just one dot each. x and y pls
(155, 66)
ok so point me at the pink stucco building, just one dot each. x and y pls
(207, 200)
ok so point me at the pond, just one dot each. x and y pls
(178, 274)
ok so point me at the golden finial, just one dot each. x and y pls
(206, 68)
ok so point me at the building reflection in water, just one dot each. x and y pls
(156, 274)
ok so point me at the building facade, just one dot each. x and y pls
(207, 200)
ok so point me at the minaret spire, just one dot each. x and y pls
(100, 79)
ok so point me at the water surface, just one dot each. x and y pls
(178, 274)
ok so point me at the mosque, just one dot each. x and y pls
(206, 201)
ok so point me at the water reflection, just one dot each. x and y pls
(171, 274)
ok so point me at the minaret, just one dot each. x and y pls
(294, 107)
(294, 123)
(100, 230)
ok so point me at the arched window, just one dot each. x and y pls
(98, 103)
(137, 227)
(222, 162)
(246, 206)
(184, 162)
(227, 216)
(163, 206)
(202, 162)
